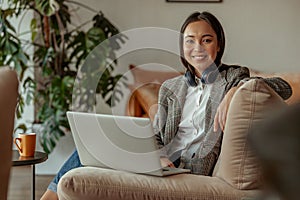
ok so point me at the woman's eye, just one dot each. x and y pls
(189, 41)
(206, 40)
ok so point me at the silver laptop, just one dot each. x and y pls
(117, 142)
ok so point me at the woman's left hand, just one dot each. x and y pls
(221, 114)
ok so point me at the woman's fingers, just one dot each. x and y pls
(216, 121)
(221, 114)
(171, 165)
(165, 162)
(220, 117)
(223, 119)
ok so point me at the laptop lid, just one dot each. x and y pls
(117, 142)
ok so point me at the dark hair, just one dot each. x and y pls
(216, 26)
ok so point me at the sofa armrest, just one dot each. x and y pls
(237, 163)
(98, 183)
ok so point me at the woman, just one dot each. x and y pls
(192, 108)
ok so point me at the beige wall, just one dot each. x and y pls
(261, 34)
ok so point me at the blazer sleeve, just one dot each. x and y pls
(280, 86)
(160, 117)
(241, 74)
(234, 75)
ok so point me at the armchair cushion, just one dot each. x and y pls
(237, 163)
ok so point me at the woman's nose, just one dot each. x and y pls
(199, 47)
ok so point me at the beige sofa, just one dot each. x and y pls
(237, 174)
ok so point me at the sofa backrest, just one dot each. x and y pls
(237, 163)
(142, 76)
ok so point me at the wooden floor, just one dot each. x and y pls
(20, 184)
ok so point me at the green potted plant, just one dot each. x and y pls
(60, 48)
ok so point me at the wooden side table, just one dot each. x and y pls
(38, 157)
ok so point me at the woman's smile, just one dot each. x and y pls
(199, 57)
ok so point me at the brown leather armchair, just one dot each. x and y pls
(8, 100)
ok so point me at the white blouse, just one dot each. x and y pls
(191, 127)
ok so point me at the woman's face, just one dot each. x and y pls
(200, 45)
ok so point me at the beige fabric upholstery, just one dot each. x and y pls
(96, 183)
(8, 101)
(237, 163)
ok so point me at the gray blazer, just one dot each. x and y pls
(170, 105)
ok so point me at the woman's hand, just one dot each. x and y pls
(221, 114)
(165, 162)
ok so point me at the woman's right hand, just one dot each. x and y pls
(221, 114)
(165, 162)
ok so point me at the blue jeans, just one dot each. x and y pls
(71, 163)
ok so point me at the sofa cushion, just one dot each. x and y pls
(97, 183)
(237, 163)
